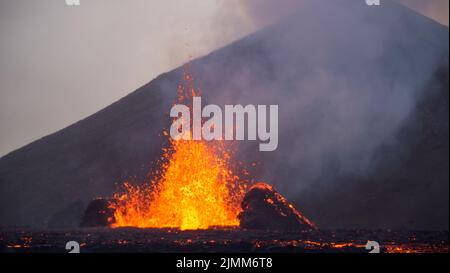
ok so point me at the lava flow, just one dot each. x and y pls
(195, 187)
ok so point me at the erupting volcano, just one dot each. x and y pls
(361, 146)
(196, 186)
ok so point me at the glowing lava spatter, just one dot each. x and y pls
(196, 186)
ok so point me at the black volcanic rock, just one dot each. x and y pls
(265, 209)
(98, 214)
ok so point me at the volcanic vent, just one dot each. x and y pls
(195, 187)
(198, 185)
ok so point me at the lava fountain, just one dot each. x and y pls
(196, 186)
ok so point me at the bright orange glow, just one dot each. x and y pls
(195, 187)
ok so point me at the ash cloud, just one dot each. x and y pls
(348, 79)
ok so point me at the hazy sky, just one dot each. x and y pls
(60, 64)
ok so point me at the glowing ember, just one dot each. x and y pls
(195, 188)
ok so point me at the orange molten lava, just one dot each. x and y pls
(195, 188)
